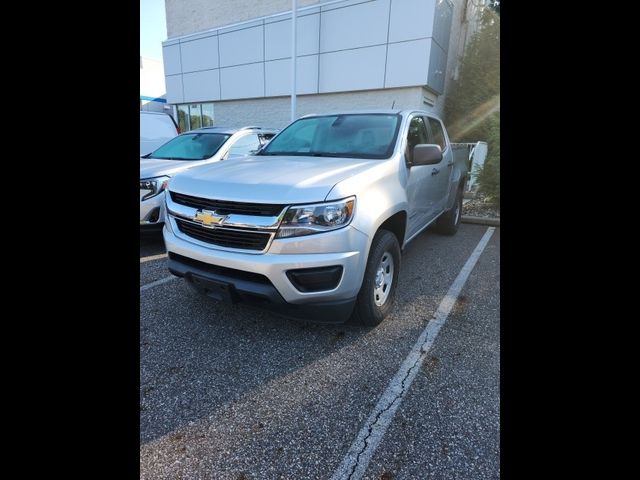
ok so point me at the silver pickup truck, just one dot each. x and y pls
(313, 225)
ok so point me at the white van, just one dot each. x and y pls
(155, 129)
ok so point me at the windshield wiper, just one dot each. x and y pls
(283, 154)
(325, 154)
(303, 154)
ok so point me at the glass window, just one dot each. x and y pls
(266, 137)
(417, 135)
(437, 134)
(183, 118)
(207, 114)
(245, 145)
(195, 116)
(192, 146)
(351, 135)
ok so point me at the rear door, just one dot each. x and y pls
(441, 172)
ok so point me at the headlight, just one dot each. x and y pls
(154, 185)
(321, 217)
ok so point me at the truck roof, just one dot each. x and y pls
(383, 111)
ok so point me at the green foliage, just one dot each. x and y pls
(472, 109)
(489, 175)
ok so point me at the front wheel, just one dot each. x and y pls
(377, 293)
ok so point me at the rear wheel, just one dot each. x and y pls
(449, 222)
(377, 293)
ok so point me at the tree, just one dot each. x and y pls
(489, 175)
(472, 109)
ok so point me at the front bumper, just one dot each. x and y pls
(346, 247)
(152, 211)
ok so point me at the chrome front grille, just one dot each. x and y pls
(234, 225)
(223, 207)
(243, 239)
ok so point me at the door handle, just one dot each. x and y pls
(435, 171)
(450, 163)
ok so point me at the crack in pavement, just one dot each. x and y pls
(397, 396)
(356, 460)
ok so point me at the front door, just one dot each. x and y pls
(419, 178)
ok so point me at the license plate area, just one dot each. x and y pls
(219, 290)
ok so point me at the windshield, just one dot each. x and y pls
(190, 146)
(351, 135)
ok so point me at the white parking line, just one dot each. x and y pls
(357, 459)
(156, 283)
(153, 257)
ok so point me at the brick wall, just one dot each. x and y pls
(189, 16)
(275, 112)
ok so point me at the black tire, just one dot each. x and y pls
(367, 311)
(449, 222)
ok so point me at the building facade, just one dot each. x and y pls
(228, 62)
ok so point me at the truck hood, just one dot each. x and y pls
(269, 179)
(152, 167)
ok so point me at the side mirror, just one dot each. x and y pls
(426, 154)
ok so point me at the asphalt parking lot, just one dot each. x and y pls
(229, 392)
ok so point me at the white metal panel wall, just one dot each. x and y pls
(411, 19)
(244, 81)
(171, 59)
(278, 37)
(198, 55)
(174, 88)
(360, 25)
(407, 63)
(242, 46)
(201, 86)
(360, 69)
(348, 46)
(278, 76)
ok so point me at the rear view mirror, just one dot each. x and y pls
(426, 154)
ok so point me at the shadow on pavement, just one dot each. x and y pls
(196, 354)
(151, 243)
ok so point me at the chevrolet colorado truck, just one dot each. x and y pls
(313, 225)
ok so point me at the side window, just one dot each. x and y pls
(437, 134)
(266, 138)
(245, 145)
(417, 135)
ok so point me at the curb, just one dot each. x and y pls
(493, 222)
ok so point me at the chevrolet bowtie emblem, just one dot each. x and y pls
(209, 218)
